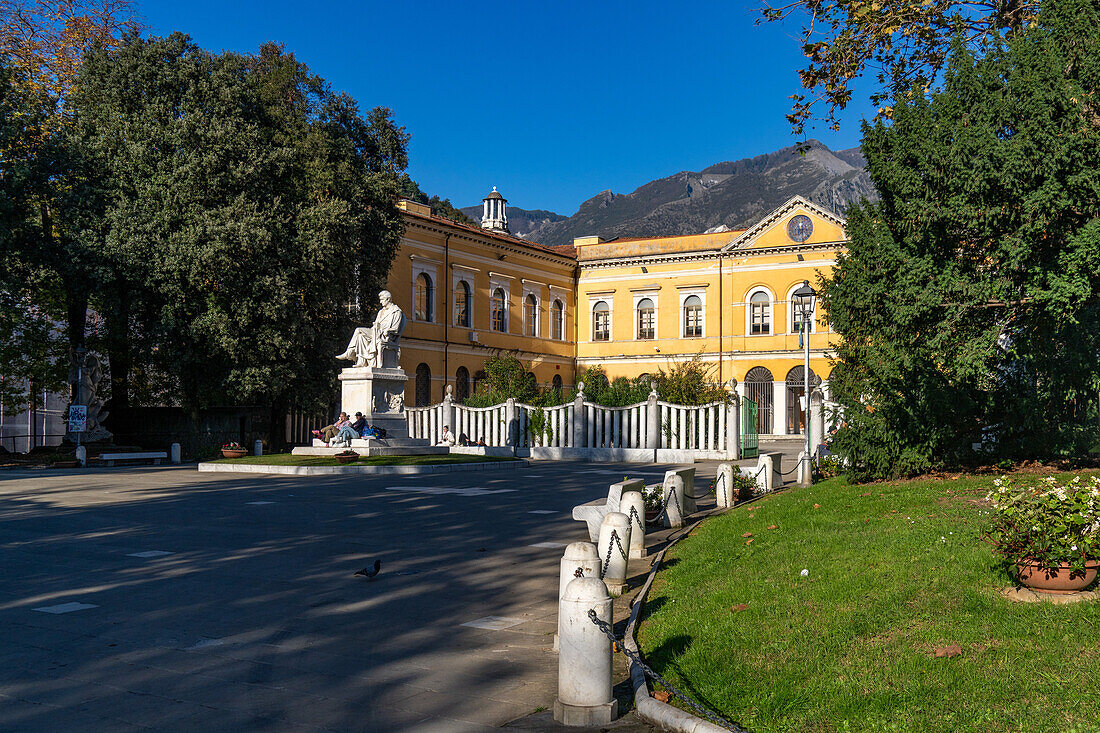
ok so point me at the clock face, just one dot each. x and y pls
(799, 228)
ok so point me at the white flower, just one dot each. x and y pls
(804, 572)
(1074, 547)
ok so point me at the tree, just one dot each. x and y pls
(906, 42)
(46, 40)
(249, 214)
(31, 350)
(47, 258)
(409, 189)
(969, 296)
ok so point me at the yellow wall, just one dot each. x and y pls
(722, 269)
(448, 253)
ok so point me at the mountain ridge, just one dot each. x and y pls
(730, 194)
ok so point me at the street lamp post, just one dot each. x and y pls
(804, 300)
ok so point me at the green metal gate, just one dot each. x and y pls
(750, 428)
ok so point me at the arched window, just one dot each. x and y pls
(462, 304)
(760, 313)
(647, 319)
(758, 389)
(693, 316)
(601, 321)
(423, 385)
(557, 320)
(422, 308)
(531, 315)
(462, 384)
(555, 383)
(499, 311)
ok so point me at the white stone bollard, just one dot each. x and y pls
(765, 462)
(258, 447)
(175, 454)
(582, 555)
(585, 695)
(82, 455)
(723, 486)
(632, 505)
(672, 491)
(614, 572)
(804, 470)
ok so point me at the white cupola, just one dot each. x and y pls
(494, 216)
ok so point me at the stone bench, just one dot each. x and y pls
(155, 456)
(594, 511)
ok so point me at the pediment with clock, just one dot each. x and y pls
(795, 224)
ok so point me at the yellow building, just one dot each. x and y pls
(470, 292)
(632, 306)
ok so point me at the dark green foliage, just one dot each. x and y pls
(245, 207)
(616, 393)
(32, 347)
(505, 376)
(409, 189)
(969, 298)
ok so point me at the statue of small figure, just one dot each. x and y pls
(368, 345)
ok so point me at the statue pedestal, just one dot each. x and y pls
(378, 393)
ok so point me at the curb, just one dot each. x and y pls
(661, 714)
(371, 470)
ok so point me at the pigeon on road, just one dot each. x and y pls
(371, 571)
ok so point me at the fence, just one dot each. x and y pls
(709, 431)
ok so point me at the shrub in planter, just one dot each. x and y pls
(742, 488)
(1052, 527)
(346, 456)
(654, 502)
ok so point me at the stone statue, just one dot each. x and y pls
(85, 392)
(379, 345)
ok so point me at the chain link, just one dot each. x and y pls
(635, 517)
(672, 495)
(612, 541)
(618, 646)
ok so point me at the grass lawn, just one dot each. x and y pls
(896, 571)
(286, 459)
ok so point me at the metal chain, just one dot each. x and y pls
(675, 498)
(612, 541)
(634, 516)
(617, 645)
(579, 572)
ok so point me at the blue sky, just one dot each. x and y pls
(551, 102)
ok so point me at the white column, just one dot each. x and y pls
(779, 407)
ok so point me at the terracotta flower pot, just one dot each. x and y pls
(652, 515)
(347, 459)
(1041, 580)
(234, 452)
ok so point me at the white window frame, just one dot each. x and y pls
(461, 274)
(748, 311)
(638, 297)
(791, 314)
(592, 303)
(506, 286)
(561, 319)
(433, 274)
(535, 290)
(686, 293)
(557, 293)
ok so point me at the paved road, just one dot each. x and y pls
(163, 598)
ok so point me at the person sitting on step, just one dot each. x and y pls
(329, 432)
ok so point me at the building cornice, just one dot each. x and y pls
(648, 260)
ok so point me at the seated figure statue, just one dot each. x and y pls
(368, 345)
